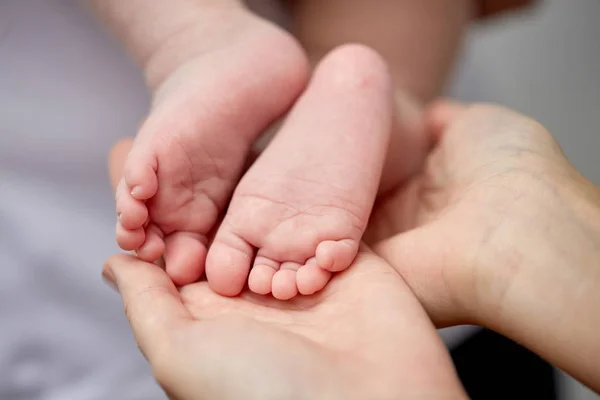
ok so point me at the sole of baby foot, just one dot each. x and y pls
(191, 150)
(300, 211)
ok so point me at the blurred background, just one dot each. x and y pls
(67, 92)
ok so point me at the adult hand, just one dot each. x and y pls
(364, 337)
(501, 231)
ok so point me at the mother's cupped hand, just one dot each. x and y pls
(500, 230)
(365, 336)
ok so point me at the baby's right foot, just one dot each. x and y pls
(300, 211)
(190, 151)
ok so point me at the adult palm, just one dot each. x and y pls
(365, 336)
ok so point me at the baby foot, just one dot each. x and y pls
(190, 152)
(300, 211)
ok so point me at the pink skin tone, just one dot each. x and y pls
(299, 213)
(220, 76)
(191, 150)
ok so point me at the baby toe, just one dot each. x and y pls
(154, 245)
(284, 285)
(336, 255)
(261, 275)
(129, 240)
(228, 264)
(132, 213)
(310, 278)
(140, 173)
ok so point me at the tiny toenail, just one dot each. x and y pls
(136, 191)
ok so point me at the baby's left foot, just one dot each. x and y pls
(300, 211)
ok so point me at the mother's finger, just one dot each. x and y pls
(116, 160)
(151, 300)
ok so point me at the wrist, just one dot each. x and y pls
(542, 290)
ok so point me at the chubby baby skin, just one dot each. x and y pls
(300, 211)
(220, 76)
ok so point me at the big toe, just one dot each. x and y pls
(228, 264)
